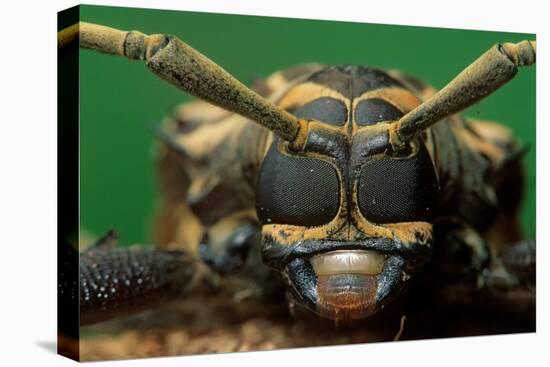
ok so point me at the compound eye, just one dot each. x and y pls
(393, 190)
(296, 190)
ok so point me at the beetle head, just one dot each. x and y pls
(346, 220)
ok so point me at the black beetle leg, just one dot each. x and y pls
(507, 284)
(225, 246)
(513, 267)
(120, 281)
(233, 246)
(461, 253)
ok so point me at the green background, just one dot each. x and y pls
(120, 99)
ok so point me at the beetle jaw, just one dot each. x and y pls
(345, 280)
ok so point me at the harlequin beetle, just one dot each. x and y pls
(346, 181)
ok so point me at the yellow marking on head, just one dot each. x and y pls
(405, 232)
(287, 234)
(307, 92)
(401, 98)
(411, 232)
(423, 89)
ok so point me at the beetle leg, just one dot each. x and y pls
(229, 244)
(461, 253)
(503, 290)
(514, 267)
(118, 281)
(229, 253)
(232, 245)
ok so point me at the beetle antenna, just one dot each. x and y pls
(488, 73)
(183, 66)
